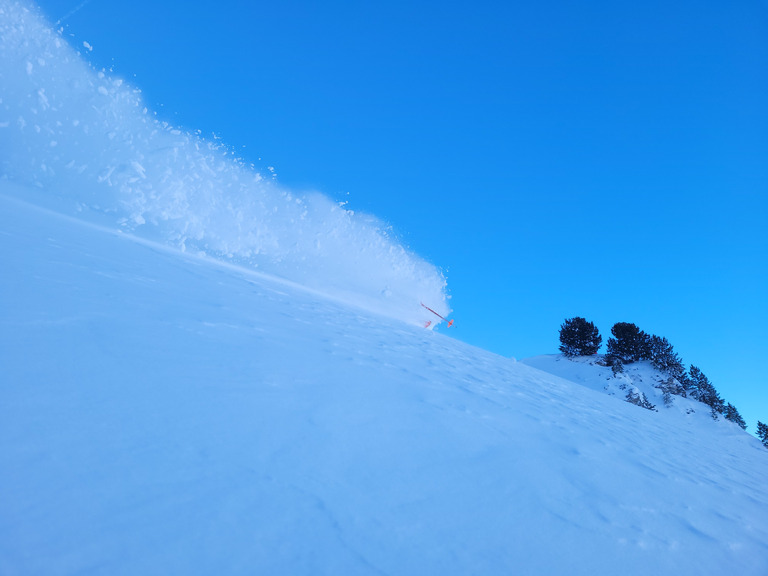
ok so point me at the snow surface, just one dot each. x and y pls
(173, 412)
(166, 413)
(638, 377)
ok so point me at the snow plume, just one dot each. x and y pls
(85, 141)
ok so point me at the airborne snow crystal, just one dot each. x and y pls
(182, 189)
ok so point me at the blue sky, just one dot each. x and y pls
(598, 159)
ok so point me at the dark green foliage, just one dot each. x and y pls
(700, 388)
(733, 415)
(696, 381)
(704, 391)
(640, 400)
(670, 387)
(617, 366)
(687, 384)
(762, 433)
(664, 358)
(629, 343)
(579, 338)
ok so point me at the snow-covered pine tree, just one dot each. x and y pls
(704, 391)
(664, 358)
(629, 343)
(579, 337)
(762, 433)
(670, 387)
(640, 400)
(697, 383)
(733, 415)
(687, 384)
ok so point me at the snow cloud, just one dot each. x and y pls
(83, 141)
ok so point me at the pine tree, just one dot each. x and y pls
(705, 392)
(733, 415)
(664, 358)
(670, 387)
(696, 382)
(640, 400)
(762, 433)
(687, 384)
(579, 338)
(629, 343)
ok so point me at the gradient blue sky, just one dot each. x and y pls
(555, 159)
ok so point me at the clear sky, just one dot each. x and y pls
(555, 159)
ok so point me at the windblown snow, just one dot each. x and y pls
(165, 412)
(86, 142)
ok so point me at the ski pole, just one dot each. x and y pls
(450, 322)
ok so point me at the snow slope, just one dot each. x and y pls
(639, 378)
(167, 413)
(178, 400)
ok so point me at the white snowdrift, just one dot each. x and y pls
(638, 378)
(85, 140)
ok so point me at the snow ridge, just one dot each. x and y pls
(638, 380)
(88, 145)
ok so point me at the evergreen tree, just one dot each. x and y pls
(629, 343)
(670, 387)
(733, 415)
(617, 367)
(640, 400)
(696, 381)
(664, 358)
(687, 385)
(704, 391)
(762, 433)
(579, 338)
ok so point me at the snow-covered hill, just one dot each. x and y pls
(168, 409)
(166, 413)
(640, 380)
